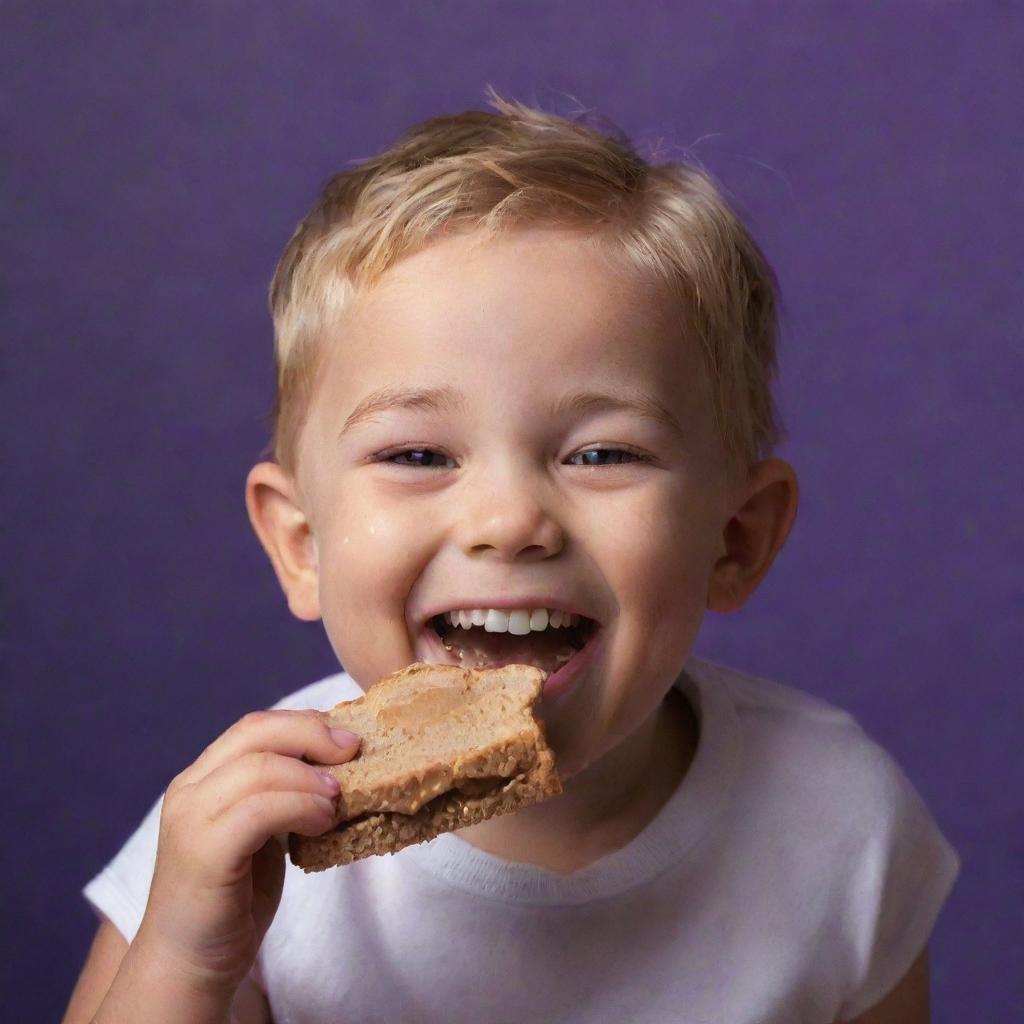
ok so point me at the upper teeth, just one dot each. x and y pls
(519, 621)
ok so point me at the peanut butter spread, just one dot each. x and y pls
(437, 729)
(422, 708)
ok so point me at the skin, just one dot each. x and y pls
(218, 878)
(370, 538)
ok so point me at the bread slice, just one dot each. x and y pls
(442, 748)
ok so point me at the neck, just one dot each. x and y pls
(607, 804)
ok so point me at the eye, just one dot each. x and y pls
(424, 458)
(606, 457)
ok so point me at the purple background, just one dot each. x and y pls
(163, 156)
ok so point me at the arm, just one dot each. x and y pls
(218, 875)
(907, 1003)
(102, 965)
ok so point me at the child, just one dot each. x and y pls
(519, 368)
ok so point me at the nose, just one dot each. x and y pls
(510, 519)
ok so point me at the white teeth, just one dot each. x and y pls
(519, 622)
(497, 621)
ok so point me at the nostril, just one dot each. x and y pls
(534, 551)
(531, 551)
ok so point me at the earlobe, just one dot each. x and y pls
(754, 534)
(277, 515)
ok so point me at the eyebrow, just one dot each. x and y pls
(636, 402)
(430, 399)
(447, 399)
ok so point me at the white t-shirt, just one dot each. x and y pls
(792, 878)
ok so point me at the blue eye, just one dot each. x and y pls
(429, 458)
(596, 457)
(425, 458)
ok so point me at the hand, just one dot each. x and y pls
(219, 870)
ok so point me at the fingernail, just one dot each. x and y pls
(329, 783)
(344, 738)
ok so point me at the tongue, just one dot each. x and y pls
(476, 648)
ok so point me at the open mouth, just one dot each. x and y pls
(486, 638)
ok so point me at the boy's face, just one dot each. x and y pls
(484, 497)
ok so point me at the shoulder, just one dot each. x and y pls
(321, 695)
(756, 696)
(812, 762)
(847, 816)
(791, 724)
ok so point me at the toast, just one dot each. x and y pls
(442, 748)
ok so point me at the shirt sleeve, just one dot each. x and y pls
(121, 890)
(900, 881)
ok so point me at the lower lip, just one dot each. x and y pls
(557, 683)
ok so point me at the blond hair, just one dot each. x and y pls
(525, 167)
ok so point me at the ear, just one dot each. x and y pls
(765, 510)
(277, 516)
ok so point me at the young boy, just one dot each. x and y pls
(520, 369)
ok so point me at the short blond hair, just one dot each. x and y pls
(524, 167)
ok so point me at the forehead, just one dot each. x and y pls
(523, 315)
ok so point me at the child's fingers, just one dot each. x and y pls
(219, 822)
(298, 734)
(245, 827)
(257, 772)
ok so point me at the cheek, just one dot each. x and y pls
(654, 549)
(369, 561)
(368, 544)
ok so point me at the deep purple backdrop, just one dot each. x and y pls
(161, 159)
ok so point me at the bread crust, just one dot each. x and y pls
(442, 748)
